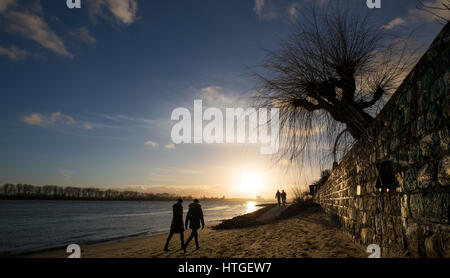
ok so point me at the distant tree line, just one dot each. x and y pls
(54, 192)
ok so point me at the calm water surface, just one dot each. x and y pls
(34, 225)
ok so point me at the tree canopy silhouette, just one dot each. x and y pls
(329, 78)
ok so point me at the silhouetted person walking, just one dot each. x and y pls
(278, 197)
(283, 198)
(177, 226)
(194, 218)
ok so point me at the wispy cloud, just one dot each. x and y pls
(34, 119)
(121, 11)
(130, 119)
(214, 96)
(265, 9)
(87, 126)
(394, 23)
(29, 23)
(52, 119)
(83, 34)
(170, 146)
(56, 119)
(292, 11)
(416, 15)
(151, 143)
(13, 53)
(66, 173)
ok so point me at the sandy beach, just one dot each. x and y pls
(311, 234)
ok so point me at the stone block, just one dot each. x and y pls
(425, 176)
(416, 206)
(434, 246)
(444, 171)
(444, 139)
(410, 182)
(413, 237)
(426, 145)
(404, 206)
(435, 206)
(434, 118)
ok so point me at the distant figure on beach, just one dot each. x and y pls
(283, 198)
(278, 197)
(194, 218)
(177, 226)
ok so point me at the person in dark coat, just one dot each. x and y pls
(278, 197)
(283, 198)
(177, 226)
(194, 218)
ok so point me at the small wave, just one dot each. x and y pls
(217, 208)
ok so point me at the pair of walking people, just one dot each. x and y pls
(194, 219)
(281, 197)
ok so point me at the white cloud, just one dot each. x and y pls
(292, 11)
(151, 143)
(88, 126)
(214, 96)
(32, 26)
(170, 146)
(13, 53)
(83, 34)
(265, 9)
(394, 23)
(53, 119)
(33, 119)
(123, 11)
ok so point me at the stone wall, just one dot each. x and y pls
(392, 188)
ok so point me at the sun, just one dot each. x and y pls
(250, 183)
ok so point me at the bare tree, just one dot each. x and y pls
(329, 79)
(441, 11)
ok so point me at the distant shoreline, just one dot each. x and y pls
(55, 192)
(27, 198)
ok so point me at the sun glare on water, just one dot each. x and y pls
(251, 207)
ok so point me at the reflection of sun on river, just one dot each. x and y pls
(251, 207)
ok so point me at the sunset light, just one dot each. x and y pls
(250, 183)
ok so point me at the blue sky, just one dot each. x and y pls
(86, 94)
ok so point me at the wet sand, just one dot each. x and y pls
(311, 234)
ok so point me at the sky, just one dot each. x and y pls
(86, 94)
